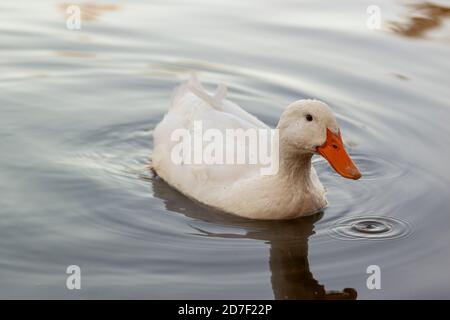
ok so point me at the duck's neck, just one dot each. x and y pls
(293, 190)
(295, 167)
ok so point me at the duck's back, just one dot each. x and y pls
(192, 107)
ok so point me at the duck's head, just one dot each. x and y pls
(309, 127)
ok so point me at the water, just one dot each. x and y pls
(77, 110)
(370, 228)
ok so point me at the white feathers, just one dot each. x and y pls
(237, 189)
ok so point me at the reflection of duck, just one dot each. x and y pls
(424, 17)
(90, 11)
(306, 127)
(288, 257)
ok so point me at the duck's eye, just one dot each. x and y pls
(309, 117)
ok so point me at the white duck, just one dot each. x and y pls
(306, 127)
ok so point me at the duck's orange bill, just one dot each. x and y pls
(334, 151)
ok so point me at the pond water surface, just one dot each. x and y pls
(77, 110)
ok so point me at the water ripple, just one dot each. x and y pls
(371, 166)
(370, 228)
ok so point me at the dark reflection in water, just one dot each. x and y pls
(288, 259)
(423, 17)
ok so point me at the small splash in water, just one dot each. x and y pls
(370, 227)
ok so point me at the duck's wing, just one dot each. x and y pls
(192, 105)
(217, 101)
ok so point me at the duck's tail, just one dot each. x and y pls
(194, 85)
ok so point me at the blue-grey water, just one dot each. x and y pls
(77, 110)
